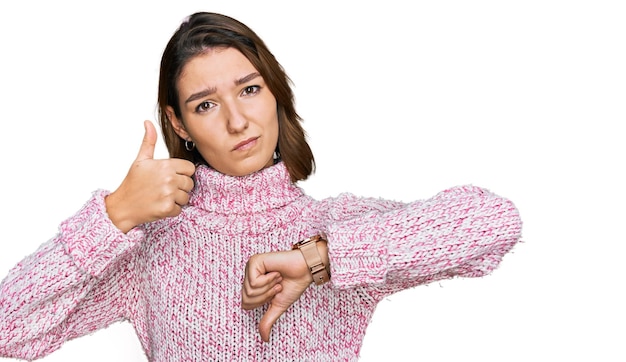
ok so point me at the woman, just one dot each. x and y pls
(216, 253)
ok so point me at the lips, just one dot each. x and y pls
(245, 144)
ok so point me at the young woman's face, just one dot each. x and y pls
(227, 111)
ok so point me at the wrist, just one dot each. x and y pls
(115, 214)
(315, 253)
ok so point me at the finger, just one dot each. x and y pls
(260, 281)
(173, 210)
(184, 167)
(181, 198)
(146, 151)
(252, 297)
(267, 321)
(249, 302)
(185, 183)
(253, 287)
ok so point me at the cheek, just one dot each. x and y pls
(271, 115)
(206, 136)
(272, 126)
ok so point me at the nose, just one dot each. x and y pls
(236, 121)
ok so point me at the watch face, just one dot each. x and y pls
(300, 243)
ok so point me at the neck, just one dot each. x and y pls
(266, 189)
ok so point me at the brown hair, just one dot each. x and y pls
(202, 31)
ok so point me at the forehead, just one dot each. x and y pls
(215, 67)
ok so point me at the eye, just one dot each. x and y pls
(204, 106)
(251, 90)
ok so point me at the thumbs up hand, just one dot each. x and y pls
(153, 189)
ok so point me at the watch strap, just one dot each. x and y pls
(308, 248)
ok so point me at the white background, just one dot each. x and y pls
(526, 98)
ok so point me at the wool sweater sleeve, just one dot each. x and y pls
(462, 231)
(76, 283)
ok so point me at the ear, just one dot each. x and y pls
(177, 124)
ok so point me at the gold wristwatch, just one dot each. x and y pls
(318, 270)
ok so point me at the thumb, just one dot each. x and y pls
(149, 141)
(267, 321)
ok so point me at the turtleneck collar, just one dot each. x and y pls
(269, 188)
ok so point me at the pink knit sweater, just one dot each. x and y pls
(178, 280)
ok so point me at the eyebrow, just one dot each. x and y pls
(206, 92)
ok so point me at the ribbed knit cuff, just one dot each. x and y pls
(356, 258)
(93, 241)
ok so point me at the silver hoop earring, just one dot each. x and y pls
(189, 145)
